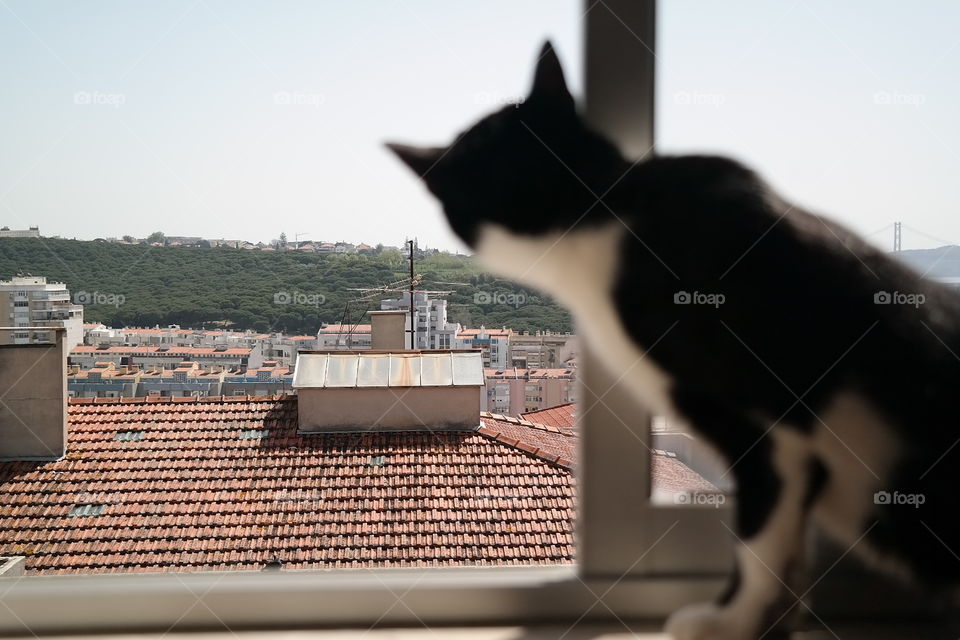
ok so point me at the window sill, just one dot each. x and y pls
(397, 597)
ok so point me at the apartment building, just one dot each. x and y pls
(542, 349)
(7, 232)
(494, 344)
(31, 301)
(430, 315)
(516, 391)
(86, 356)
(351, 337)
(271, 379)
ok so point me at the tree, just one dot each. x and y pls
(156, 236)
(129, 239)
(392, 258)
(282, 242)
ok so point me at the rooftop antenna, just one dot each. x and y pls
(413, 322)
(897, 236)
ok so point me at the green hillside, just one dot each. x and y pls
(138, 285)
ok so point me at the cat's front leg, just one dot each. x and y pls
(774, 479)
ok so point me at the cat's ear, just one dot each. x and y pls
(549, 85)
(420, 159)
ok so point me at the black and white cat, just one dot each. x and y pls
(825, 371)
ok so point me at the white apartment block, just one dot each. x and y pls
(31, 301)
(494, 344)
(351, 337)
(7, 232)
(430, 314)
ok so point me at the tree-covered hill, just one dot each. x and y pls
(140, 285)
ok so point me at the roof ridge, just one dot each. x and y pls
(556, 406)
(537, 452)
(178, 399)
(565, 431)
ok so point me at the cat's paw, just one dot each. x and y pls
(704, 621)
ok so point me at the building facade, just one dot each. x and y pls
(349, 337)
(86, 357)
(430, 315)
(516, 391)
(7, 232)
(494, 344)
(31, 301)
(542, 350)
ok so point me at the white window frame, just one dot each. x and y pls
(634, 559)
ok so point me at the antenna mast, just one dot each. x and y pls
(413, 320)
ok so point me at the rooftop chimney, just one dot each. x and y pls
(33, 388)
(388, 391)
(387, 329)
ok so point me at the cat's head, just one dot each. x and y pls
(530, 167)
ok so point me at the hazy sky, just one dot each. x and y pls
(226, 118)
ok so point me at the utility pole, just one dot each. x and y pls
(897, 236)
(413, 322)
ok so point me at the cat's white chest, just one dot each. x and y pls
(578, 268)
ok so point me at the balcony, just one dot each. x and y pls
(51, 296)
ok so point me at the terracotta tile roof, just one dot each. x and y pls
(550, 443)
(191, 494)
(345, 328)
(157, 331)
(151, 350)
(671, 476)
(275, 372)
(517, 373)
(562, 415)
(473, 333)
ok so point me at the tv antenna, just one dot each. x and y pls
(406, 285)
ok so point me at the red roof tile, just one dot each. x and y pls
(541, 440)
(669, 474)
(562, 415)
(192, 495)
